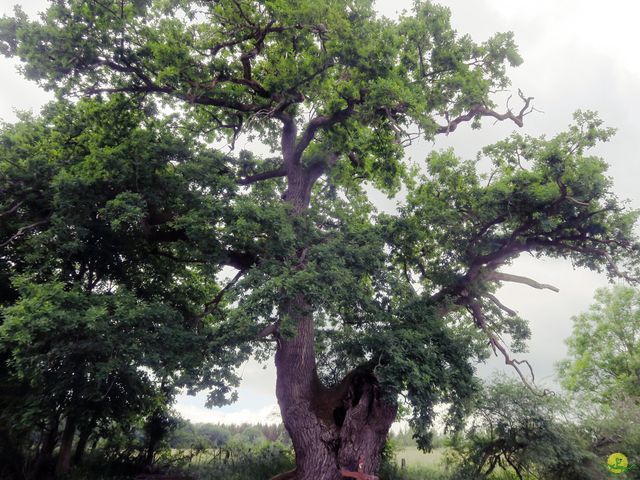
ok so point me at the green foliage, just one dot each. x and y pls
(390, 470)
(241, 461)
(100, 314)
(209, 435)
(403, 438)
(614, 429)
(113, 194)
(157, 220)
(313, 56)
(603, 369)
(60, 342)
(216, 435)
(394, 472)
(604, 348)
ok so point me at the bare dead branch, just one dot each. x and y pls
(507, 277)
(577, 202)
(596, 252)
(483, 111)
(501, 305)
(21, 231)
(496, 345)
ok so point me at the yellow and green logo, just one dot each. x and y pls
(618, 463)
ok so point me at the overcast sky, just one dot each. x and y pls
(577, 55)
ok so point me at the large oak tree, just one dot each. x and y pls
(361, 308)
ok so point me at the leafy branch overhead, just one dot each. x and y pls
(290, 73)
(542, 197)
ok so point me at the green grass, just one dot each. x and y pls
(418, 465)
(416, 458)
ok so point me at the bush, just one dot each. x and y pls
(518, 434)
(242, 462)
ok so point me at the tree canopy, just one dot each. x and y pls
(99, 319)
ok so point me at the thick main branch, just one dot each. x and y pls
(323, 121)
(279, 172)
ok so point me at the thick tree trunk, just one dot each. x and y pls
(66, 443)
(81, 446)
(43, 463)
(330, 427)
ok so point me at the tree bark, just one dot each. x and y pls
(43, 463)
(154, 435)
(330, 428)
(66, 443)
(81, 446)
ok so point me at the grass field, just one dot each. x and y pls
(416, 458)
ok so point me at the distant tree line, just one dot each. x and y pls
(208, 435)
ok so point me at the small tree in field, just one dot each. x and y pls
(359, 307)
(603, 371)
(523, 432)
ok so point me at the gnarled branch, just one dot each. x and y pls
(483, 111)
(496, 345)
(501, 305)
(323, 121)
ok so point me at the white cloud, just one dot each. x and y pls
(200, 414)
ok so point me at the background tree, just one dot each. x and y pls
(336, 93)
(604, 347)
(603, 371)
(97, 325)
